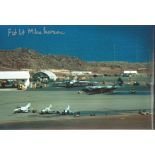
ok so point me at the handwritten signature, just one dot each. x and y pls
(32, 31)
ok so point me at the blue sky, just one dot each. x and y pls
(89, 43)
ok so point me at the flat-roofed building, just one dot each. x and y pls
(76, 73)
(130, 72)
(16, 75)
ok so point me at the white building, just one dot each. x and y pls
(76, 73)
(16, 75)
(130, 72)
(45, 74)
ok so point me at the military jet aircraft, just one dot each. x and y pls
(99, 89)
(24, 109)
(67, 111)
(46, 110)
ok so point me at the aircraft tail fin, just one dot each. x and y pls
(28, 105)
(50, 106)
(67, 109)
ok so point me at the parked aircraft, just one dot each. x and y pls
(67, 111)
(99, 89)
(24, 109)
(46, 110)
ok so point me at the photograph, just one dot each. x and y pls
(76, 77)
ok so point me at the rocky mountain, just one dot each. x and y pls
(29, 59)
(23, 58)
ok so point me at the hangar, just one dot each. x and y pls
(44, 75)
(23, 76)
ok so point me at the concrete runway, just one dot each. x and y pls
(9, 100)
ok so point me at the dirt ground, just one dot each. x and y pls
(86, 122)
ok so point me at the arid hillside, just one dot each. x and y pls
(23, 58)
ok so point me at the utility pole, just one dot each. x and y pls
(136, 50)
(114, 48)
